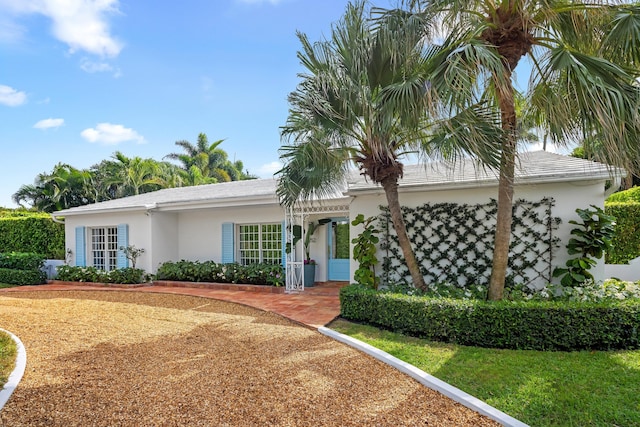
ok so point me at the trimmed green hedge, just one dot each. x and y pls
(626, 240)
(22, 277)
(21, 261)
(128, 276)
(630, 195)
(531, 325)
(32, 232)
(210, 271)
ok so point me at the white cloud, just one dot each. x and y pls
(81, 24)
(11, 97)
(49, 123)
(267, 170)
(110, 134)
(99, 67)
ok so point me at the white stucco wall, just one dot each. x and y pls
(139, 231)
(164, 239)
(567, 196)
(199, 232)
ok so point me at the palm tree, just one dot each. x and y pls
(363, 101)
(132, 176)
(65, 187)
(584, 60)
(212, 162)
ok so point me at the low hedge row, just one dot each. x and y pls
(128, 276)
(209, 271)
(21, 261)
(531, 325)
(22, 277)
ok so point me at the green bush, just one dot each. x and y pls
(626, 240)
(531, 325)
(91, 274)
(22, 277)
(209, 271)
(32, 232)
(630, 195)
(21, 261)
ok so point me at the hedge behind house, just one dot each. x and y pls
(31, 232)
(626, 241)
(530, 325)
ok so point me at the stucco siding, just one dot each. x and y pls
(164, 239)
(567, 196)
(139, 231)
(199, 232)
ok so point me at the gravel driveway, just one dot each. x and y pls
(128, 358)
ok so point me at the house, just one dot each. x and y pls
(243, 222)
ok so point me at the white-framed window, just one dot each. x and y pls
(260, 243)
(104, 248)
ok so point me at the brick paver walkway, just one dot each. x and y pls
(314, 307)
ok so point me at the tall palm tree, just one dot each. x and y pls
(583, 56)
(363, 100)
(65, 187)
(211, 161)
(132, 176)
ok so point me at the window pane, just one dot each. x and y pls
(260, 243)
(104, 248)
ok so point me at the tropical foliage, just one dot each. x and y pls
(362, 102)
(121, 176)
(582, 58)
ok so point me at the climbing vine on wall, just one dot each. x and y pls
(454, 242)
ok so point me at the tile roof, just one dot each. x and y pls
(535, 166)
(532, 167)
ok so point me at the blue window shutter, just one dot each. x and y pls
(123, 241)
(228, 247)
(81, 251)
(284, 245)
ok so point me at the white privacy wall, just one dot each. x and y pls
(567, 195)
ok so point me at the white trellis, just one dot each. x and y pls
(298, 215)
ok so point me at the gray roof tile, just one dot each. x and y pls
(537, 166)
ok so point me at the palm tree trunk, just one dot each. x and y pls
(504, 218)
(390, 186)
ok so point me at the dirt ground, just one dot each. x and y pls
(127, 358)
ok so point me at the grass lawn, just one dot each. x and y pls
(6, 285)
(586, 388)
(8, 353)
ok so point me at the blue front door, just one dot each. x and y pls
(339, 246)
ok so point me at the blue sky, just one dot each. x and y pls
(81, 79)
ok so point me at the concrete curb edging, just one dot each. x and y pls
(18, 371)
(426, 379)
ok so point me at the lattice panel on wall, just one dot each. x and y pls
(454, 242)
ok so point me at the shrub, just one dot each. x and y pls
(209, 271)
(533, 325)
(630, 195)
(626, 239)
(32, 232)
(22, 277)
(91, 274)
(21, 261)
(591, 239)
